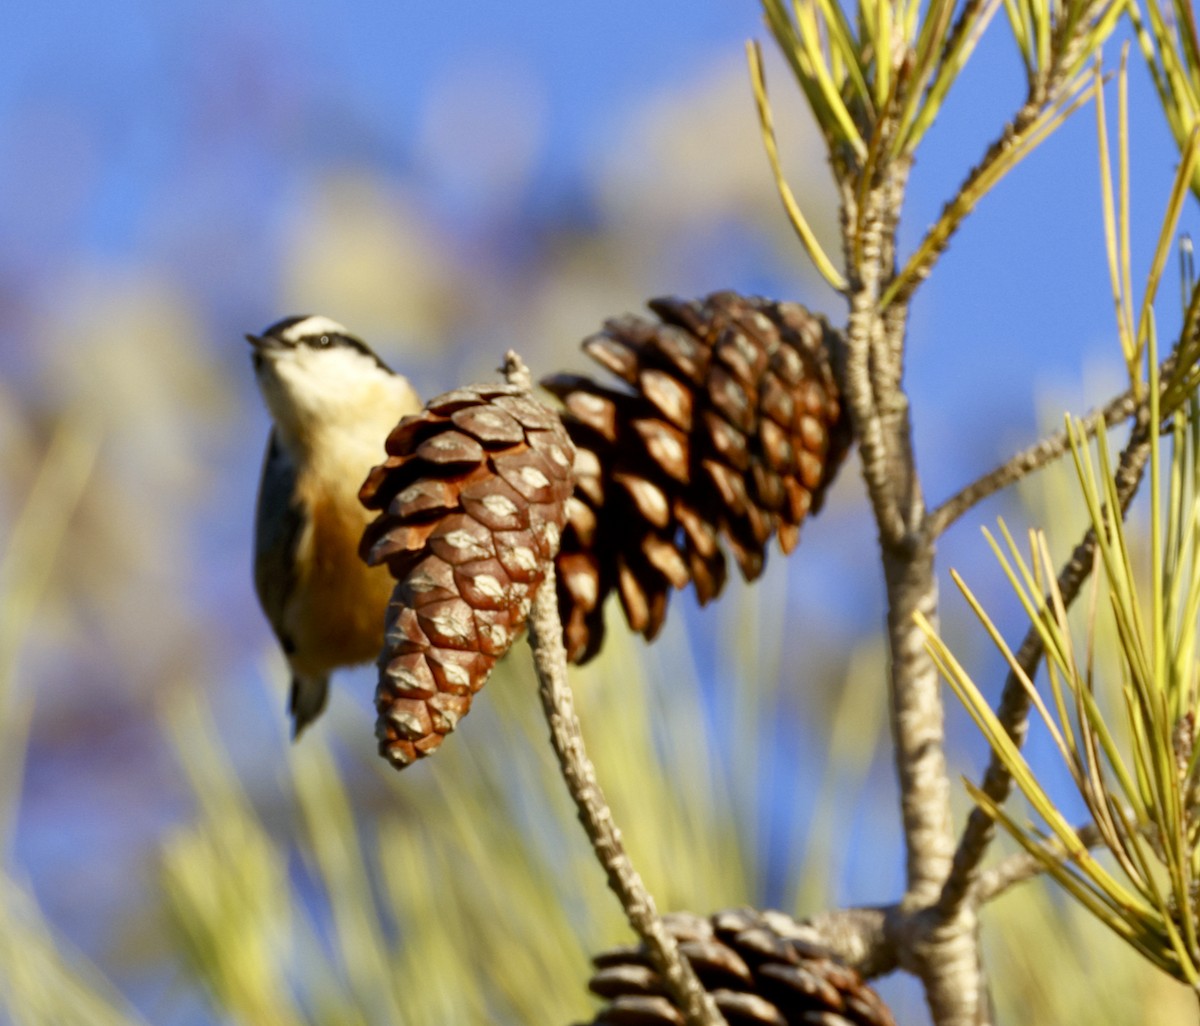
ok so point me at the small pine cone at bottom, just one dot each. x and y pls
(757, 968)
(724, 430)
(473, 496)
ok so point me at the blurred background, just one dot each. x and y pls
(450, 183)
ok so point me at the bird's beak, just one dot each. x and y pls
(264, 346)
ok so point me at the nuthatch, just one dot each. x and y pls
(333, 402)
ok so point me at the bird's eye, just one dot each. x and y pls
(325, 340)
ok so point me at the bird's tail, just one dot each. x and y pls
(307, 701)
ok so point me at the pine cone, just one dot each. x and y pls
(757, 968)
(729, 428)
(473, 491)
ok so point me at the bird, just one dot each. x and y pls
(332, 403)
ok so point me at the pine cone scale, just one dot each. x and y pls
(667, 446)
(613, 354)
(742, 1009)
(676, 350)
(490, 425)
(730, 400)
(411, 676)
(449, 448)
(481, 585)
(668, 396)
(465, 544)
(665, 558)
(727, 442)
(649, 1010)
(625, 979)
(448, 624)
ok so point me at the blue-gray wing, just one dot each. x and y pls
(277, 529)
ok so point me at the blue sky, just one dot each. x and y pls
(129, 124)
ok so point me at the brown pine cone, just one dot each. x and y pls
(757, 968)
(473, 494)
(728, 428)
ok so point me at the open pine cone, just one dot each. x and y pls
(727, 428)
(757, 968)
(473, 495)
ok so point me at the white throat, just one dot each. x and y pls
(336, 397)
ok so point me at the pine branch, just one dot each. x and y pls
(1022, 866)
(550, 660)
(863, 937)
(1025, 462)
(566, 736)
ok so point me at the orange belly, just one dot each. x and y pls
(338, 612)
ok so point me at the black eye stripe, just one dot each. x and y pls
(334, 340)
(284, 331)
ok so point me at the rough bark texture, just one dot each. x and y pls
(550, 661)
(566, 738)
(943, 953)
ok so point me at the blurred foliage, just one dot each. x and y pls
(479, 901)
(462, 891)
(43, 980)
(1048, 964)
